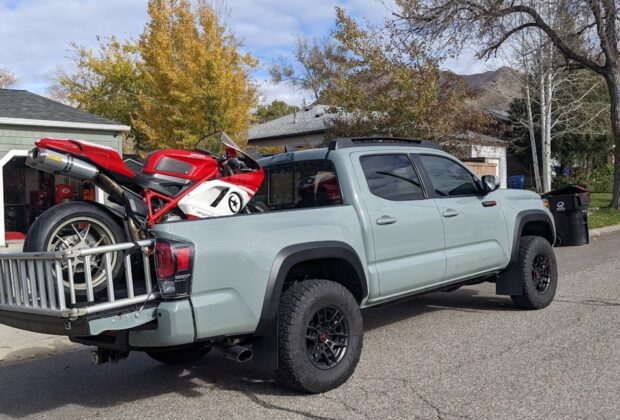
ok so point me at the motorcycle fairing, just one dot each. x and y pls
(103, 156)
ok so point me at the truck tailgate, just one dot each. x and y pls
(54, 292)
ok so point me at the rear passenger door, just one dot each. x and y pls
(473, 222)
(406, 225)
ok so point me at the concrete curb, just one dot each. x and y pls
(605, 230)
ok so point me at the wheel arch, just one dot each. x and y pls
(335, 260)
(527, 222)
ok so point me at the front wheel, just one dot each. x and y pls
(539, 273)
(320, 334)
(77, 225)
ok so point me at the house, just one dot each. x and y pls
(25, 192)
(308, 128)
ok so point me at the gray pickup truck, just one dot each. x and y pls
(360, 223)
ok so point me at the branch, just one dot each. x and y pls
(489, 50)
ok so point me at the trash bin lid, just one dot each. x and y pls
(566, 190)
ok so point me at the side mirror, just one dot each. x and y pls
(490, 183)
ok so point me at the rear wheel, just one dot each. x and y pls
(320, 334)
(77, 225)
(539, 273)
(179, 356)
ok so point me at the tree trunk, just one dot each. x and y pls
(530, 126)
(613, 84)
(543, 133)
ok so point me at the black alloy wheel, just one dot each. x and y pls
(327, 337)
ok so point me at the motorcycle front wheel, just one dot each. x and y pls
(78, 225)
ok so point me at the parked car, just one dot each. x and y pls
(360, 223)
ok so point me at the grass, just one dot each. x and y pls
(605, 215)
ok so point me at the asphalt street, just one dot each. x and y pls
(464, 354)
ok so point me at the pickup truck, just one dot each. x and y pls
(362, 222)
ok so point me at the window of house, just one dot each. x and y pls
(392, 177)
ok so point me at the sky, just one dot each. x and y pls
(35, 35)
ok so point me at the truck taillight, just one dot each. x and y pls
(173, 263)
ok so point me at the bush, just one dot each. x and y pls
(601, 180)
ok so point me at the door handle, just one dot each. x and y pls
(450, 213)
(386, 220)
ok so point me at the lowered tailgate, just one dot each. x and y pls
(54, 292)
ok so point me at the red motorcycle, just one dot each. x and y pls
(173, 185)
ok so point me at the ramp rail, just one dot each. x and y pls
(75, 283)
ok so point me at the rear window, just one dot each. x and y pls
(298, 185)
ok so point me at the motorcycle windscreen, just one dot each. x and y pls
(222, 145)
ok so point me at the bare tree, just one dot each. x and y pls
(310, 68)
(7, 78)
(491, 23)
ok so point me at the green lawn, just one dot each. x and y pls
(604, 216)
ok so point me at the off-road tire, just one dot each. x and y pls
(43, 227)
(531, 298)
(298, 304)
(179, 356)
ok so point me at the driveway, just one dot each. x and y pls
(465, 354)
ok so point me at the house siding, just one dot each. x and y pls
(14, 137)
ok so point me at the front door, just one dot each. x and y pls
(474, 225)
(406, 225)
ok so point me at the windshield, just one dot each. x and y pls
(217, 144)
(221, 145)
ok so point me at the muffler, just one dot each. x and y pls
(61, 164)
(238, 353)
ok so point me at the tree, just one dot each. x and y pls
(106, 82)
(386, 84)
(310, 68)
(196, 81)
(7, 78)
(490, 23)
(275, 109)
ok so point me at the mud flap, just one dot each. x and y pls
(265, 349)
(510, 281)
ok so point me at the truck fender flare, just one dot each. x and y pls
(509, 282)
(298, 253)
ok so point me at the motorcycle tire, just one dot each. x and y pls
(78, 225)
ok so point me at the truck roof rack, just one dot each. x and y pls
(344, 143)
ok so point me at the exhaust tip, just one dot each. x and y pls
(245, 356)
(238, 353)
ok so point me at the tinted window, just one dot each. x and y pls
(448, 177)
(392, 177)
(296, 185)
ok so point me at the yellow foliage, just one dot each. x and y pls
(196, 81)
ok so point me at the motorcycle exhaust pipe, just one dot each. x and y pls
(61, 164)
(238, 353)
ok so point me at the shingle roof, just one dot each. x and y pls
(26, 105)
(309, 120)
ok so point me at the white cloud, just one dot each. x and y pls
(35, 34)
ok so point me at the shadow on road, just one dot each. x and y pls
(46, 384)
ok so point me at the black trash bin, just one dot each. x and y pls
(569, 206)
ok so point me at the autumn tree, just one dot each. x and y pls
(275, 109)
(106, 82)
(491, 23)
(386, 84)
(184, 78)
(7, 78)
(196, 81)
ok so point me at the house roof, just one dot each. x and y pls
(20, 107)
(312, 119)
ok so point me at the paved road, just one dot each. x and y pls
(466, 354)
